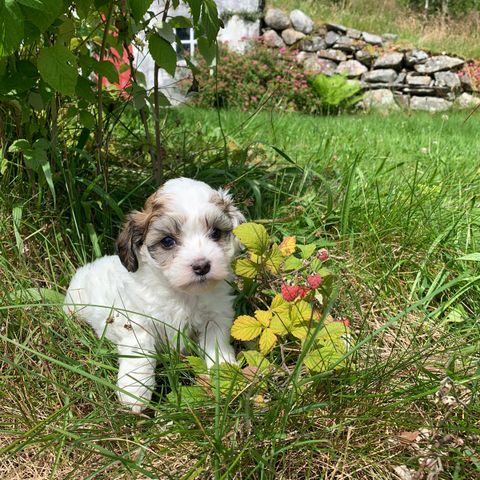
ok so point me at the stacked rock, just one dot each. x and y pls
(389, 77)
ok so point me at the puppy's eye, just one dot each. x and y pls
(168, 242)
(216, 234)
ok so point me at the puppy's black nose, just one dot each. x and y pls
(201, 268)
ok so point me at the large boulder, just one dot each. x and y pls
(313, 44)
(331, 38)
(320, 65)
(291, 36)
(430, 104)
(351, 68)
(465, 100)
(272, 39)
(414, 57)
(448, 80)
(387, 75)
(301, 22)
(364, 56)
(332, 54)
(381, 99)
(389, 60)
(439, 63)
(277, 19)
(371, 38)
(416, 80)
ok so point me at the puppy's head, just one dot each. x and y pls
(184, 231)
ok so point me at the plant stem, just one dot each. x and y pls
(102, 168)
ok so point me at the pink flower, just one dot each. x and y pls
(314, 280)
(278, 77)
(323, 255)
(290, 292)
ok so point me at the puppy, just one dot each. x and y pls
(167, 281)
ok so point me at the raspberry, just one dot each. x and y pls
(290, 292)
(304, 291)
(322, 255)
(314, 280)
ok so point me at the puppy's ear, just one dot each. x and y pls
(226, 203)
(130, 240)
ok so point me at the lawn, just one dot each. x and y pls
(395, 199)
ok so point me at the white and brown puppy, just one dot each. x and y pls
(168, 280)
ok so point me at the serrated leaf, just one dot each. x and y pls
(253, 236)
(188, 395)
(106, 69)
(288, 246)
(301, 315)
(58, 67)
(281, 323)
(208, 50)
(292, 263)
(246, 268)
(163, 53)
(274, 259)
(87, 119)
(268, 339)
(307, 250)
(246, 328)
(35, 159)
(255, 359)
(197, 364)
(263, 316)
(166, 32)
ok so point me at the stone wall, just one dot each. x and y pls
(391, 77)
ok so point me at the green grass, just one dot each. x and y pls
(396, 197)
(457, 36)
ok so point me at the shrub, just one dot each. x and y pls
(260, 76)
(288, 289)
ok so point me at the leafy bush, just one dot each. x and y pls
(289, 291)
(260, 76)
(336, 92)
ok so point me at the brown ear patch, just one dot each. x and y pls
(134, 231)
(224, 201)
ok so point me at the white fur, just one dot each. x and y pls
(138, 310)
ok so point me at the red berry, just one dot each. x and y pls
(290, 292)
(304, 291)
(314, 280)
(322, 255)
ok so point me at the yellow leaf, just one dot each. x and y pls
(288, 246)
(267, 340)
(301, 312)
(255, 359)
(274, 259)
(253, 236)
(279, 304)
(300, 331)
(246, 268)
(264, 317)
(246, 328)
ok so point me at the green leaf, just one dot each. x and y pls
(253, 236)
(84, 89)
(292, 263)
(82, 7)
(33, 295)
(58, 67)
(163, 53)
(198, 364)
(35, 159)
(106, 69)
(246, 268)
(188, 395)
(208, 50)
(307, 250)
(11, 27)
(255, 359)
(274, 259)
(139, 8)
(180, 22)
(47, 172)
(42, 13)
(472, 257)
(87, 119)
(166, 32)
(20, 145)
